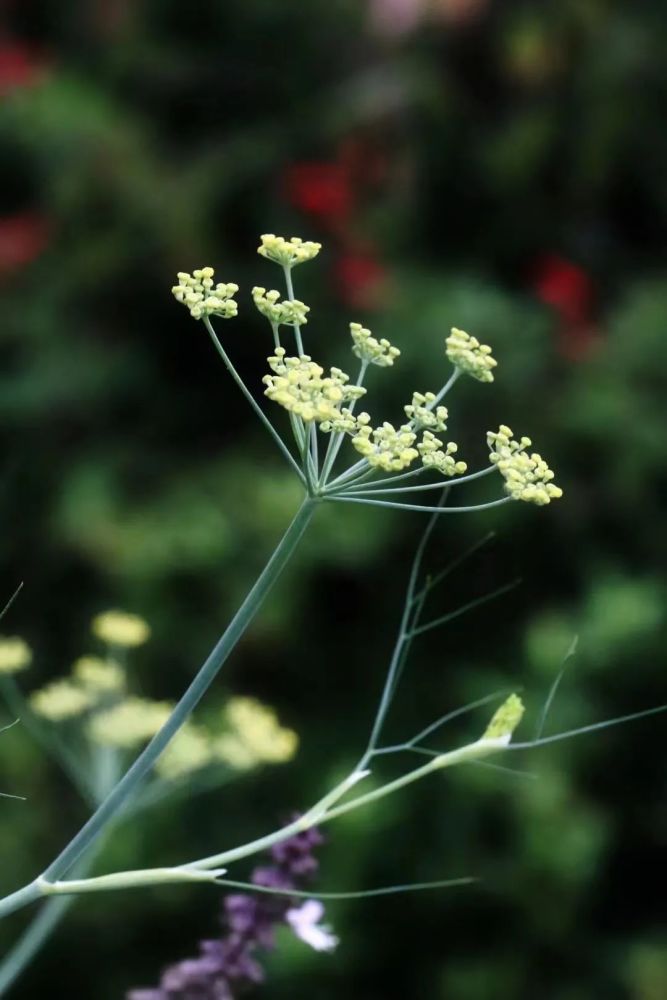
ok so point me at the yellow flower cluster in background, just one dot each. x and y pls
(252, 735)
(15, 654)
(95, 695)
(120, 628)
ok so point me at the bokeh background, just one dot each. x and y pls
(498, 166)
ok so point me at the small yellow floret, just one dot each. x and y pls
(15, 654)
(386, 447)
(289, 252)
(60, 700)
(367, 348)
(291, 312)
(433, 457)
(470, 356)
(527, 476)
(199, 293)
(422, 413)
(119, 628)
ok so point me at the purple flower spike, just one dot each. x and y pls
(227, 966)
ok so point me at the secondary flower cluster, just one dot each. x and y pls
(203, 297)
(227, 966)
(527, 476)
(369, 349)
(291, 312)
(470, 356)
(300, 386)
(95, 695)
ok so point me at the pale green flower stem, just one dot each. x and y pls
(373, 489)
(129, 783)
(287, 271)
(424, 509)
(248, 395)
(336, 440)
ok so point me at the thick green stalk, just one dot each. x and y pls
(128, 784)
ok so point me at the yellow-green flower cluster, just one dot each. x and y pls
(345, 422)
(15, 654)
(369, 349)
(470, 356)
(505, 720)
(434, 457)
(291, 312)
(99, 676)
(255, 735)
(203, 297)
(300, 385)
(129, 723)
(386, 447)
(60, 700)
(527, 476)
(120, 628)
(94, 684)
(422, 413)
(289, 252)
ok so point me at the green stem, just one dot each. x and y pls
(412, 506)
(290, 295)
(38, 931)
(128, 784)
(373, 490)
(248, 395)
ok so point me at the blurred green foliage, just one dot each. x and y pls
(152, 140)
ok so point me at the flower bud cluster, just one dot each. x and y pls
(470, 356)
(527, 476)
(345, 422)
(433, 457)
(386, 447)
(369, 349)
(203, 297)
(505, 720)
(421, 412)
(288, 313)
(287, 253)
(300, 385)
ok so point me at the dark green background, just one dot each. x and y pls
(135, 476)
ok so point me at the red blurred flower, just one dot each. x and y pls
(565, 287)
(23, 237)
(19, 67)
(320, 190)
(569, 291)
(361, 279)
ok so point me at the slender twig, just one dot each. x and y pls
(554, 688)
(129, 783)
(374, 490)
(443, 619)
(290, 295)
(437, 578)
(417, 507)
(251, 399)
